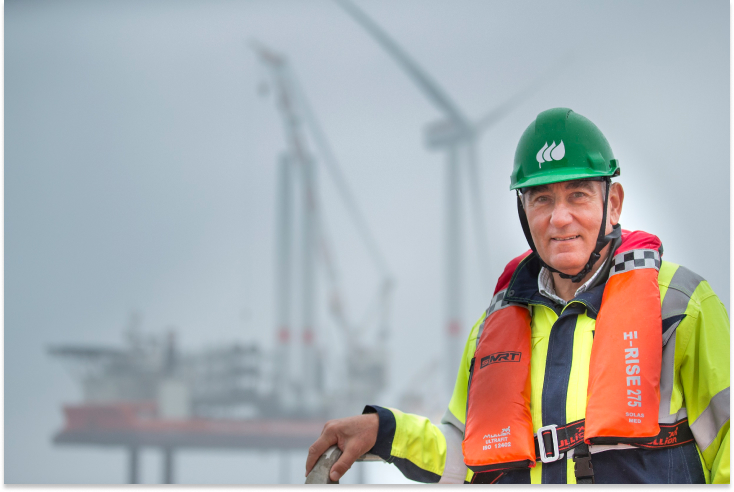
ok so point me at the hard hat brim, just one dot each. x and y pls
(560, 175)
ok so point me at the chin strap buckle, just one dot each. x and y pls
(583, 469)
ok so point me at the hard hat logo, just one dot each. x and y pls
(552, 153)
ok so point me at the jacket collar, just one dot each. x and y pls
(523, 287)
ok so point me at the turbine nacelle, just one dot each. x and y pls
(446, 133)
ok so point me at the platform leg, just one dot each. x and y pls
(168, 465)
(132, 469)
(283, 475)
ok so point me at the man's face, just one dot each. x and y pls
(564, 220)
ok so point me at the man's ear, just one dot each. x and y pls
(616, 199)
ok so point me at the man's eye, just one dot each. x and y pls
(578, 194)
(541, 200)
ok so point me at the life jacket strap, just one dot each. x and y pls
(570, 436)
(670, 436)
(582, 467)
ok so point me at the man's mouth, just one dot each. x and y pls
(564, 238)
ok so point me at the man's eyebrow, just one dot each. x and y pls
(537, 189)
(579, 183)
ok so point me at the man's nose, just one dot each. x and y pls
(561, 215)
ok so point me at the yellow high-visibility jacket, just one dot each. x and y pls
(694, 383)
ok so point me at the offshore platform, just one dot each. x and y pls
(149, 394)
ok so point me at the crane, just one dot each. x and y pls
(363, 377)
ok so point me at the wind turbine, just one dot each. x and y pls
(457, 135)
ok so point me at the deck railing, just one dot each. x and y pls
(320, 472)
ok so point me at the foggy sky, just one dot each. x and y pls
(140, 172)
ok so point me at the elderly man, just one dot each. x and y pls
(596, 361)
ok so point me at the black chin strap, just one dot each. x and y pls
(601, 240)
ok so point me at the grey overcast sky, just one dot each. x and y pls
(140, 171)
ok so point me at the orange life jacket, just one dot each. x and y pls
(624, 373)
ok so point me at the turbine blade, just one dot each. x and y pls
(419, 76)
(480, 226)
(550, 72)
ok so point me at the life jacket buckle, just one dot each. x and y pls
(542, 434)
(583, 468)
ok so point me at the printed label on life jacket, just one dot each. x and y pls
(671, 435)
(501, 357)
(498, 440)
(632, 362)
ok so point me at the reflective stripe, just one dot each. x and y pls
(670, 419)
(496, 303)
(637, 258)
(669, 326)
(682, 285)
(600, 448)
(479, 332)
(454, 471)
(680, 290)
(707, 425)
(450, 418)
(667, 374)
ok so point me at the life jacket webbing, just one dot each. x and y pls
(571, 435)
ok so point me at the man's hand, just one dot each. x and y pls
(353, 435)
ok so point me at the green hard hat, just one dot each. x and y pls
(561, 145)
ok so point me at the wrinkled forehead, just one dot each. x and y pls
(577, 184)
